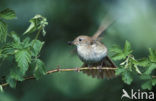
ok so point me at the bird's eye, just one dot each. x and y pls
(80, 39)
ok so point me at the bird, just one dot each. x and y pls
(94, 53)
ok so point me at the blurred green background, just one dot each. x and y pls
(67, 19)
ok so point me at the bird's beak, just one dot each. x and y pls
(70, 42)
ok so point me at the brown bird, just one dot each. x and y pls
(93, 53)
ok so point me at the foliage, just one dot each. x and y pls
(21, 49)
(131, 67)
(25, 51)
(1, 88)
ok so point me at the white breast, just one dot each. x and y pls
(91, 54)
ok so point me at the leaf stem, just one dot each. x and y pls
(37, 35)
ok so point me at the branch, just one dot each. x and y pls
(65, 70)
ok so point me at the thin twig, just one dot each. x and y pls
(154, 77)
(66, 70)
(71, 69)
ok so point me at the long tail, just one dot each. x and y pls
(101, 73)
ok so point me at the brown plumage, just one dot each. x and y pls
(106, 62)
(94, 54)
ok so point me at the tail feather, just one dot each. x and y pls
(101, 73)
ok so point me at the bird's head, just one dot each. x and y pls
(81, 41)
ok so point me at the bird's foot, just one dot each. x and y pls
(100, 68)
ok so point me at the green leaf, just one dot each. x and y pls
(137, 69)
(143, 62)
(153, 82)
(150, 68)
(127, 48)
(147, 85)
(152, 55)
(10, 48)
(116, 49)
(36, 45)
(39, 69)
(15, 75)
(3, 31)
(26, 42)
(37, 23)
(15, 37)
(7, 14)
(119, 71)
(31, 28)
(11, 82)
(126, 77)
(23, 59)
(1, 88)
(119, 56)
(2, 56)
(145, 77)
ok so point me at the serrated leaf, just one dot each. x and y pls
(39, 69)
(1, 88)
(127, 46)
(11, 48)
(153, 82)
(23, 59)
(3, 31)
(137, 69)
(145, 77)
(152, 55)
(143, 62)
(126, 77)
(150, 68)
(26, 42)
(38, 22)
(31, 28)
(15, 37)
(116, 49)
(7, 14)
(147, 85)
(119, 56)
(119, 71)
(11, 82)
(2, 56)
(17, 74)
(8, 50)
(36, 45)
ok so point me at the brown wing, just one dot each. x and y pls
(107, 62)
(101, 73)
(107, 21)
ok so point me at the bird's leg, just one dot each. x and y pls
(99, 72)
(100, 66)
(89, 65)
